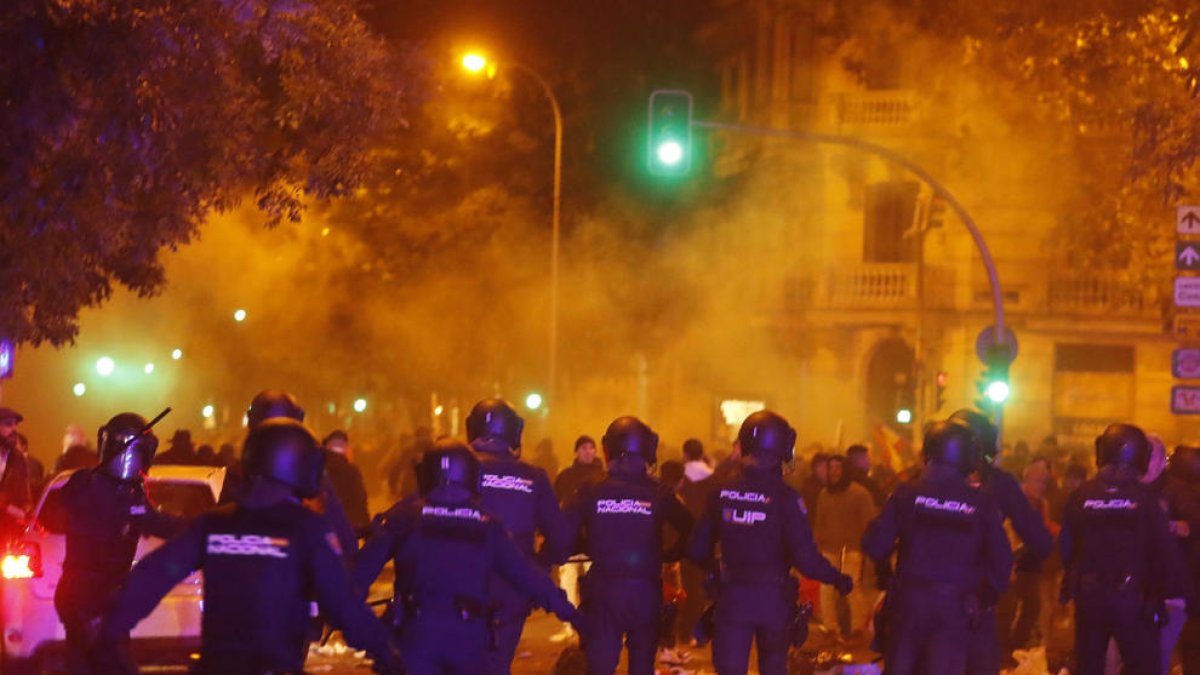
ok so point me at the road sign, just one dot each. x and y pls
(987, 338)
(1185, 363)
(1187, 291)
(1185, 400)
(1187, 255)
(1187, 219)
(1187, 327)
(7, 357)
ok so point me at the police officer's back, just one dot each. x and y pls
(953, 556)
(621, 519)
(983, 647)
(265, 559)
(1118, 557)
(520, 496)
(446, 548)
(761, 526)
(106, 512)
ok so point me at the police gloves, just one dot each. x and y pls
(844, 584)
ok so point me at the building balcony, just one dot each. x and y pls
(878, 110)
(867, 286)
(1071, 293)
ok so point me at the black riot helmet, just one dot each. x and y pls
(1185, 463)
(270, 403)
(449, 463)
(494, 426)
(985, 432)
(952, 444)
(1123, 445)
(767, 438)
(127, 446)
(284, 450)
(630, 437)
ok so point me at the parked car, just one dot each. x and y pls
(32, 634)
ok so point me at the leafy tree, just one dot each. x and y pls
(125, 123)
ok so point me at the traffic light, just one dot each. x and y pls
(994, 388)
(937, 212)
(906, 398)
(669, 151)
(940, 381)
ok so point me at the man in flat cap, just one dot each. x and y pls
(15, 497)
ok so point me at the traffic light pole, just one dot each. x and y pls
(939, 191)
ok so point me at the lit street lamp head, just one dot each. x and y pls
(474, 62)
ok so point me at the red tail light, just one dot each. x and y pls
(22, 561)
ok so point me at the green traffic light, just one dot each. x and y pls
(998, 391)
(670, 153)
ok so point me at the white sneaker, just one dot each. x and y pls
(563, 635)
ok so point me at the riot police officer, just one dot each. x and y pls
(447, 548)
(106, 512)
(621, 520)
(265, 559)
(272, 403)
(520, 495)
(1118, 557)
(953, 556)
(762, 527)
(983, 648)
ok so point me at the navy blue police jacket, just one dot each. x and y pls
(520, 496)
(262, 569)
(620, 521)
(762, 527)
(947, 532)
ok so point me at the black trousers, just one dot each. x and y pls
(619, 612)
(512, 609)
(928, 631)
(1102, 615)
(442, 643)
(758, 614)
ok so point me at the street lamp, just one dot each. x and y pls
(478, 63)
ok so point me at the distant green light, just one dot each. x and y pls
(208, 411)
(148, 368)
(239, 315)
(105, 366)
(533, 401)
(904, 416)
(177, 354)
(670, 153)
(79, 389)
(360, 405)
(997, 392)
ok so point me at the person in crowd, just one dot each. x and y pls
(448, 549)
(37, 470)
(1182, 491)
(952, 554)
(346, 480)
(266, 559)
(587, 469)
(858, 468)
(1019, 611)
(206, 455)
(621, 522)
(699, 481)
(763, 532)
(846, 509)
(181, 450)
(520, 495)
(817, 480)
(76, 454)
(1120, 560)
(16, 496)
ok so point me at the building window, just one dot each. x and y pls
(887, 216)
(1092, 382)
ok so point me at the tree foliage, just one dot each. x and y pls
(125, 123)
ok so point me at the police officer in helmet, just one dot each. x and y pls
(520, 495)
(983, 649)
(953, 556)
(621, 520)
(272, 403)
(1118, 557)
(106, 513)
(762, 527)
(447, 550)
(265, 560)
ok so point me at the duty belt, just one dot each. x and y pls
(1122, 583)
(466, 607)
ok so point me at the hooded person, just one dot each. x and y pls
(845, 510)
